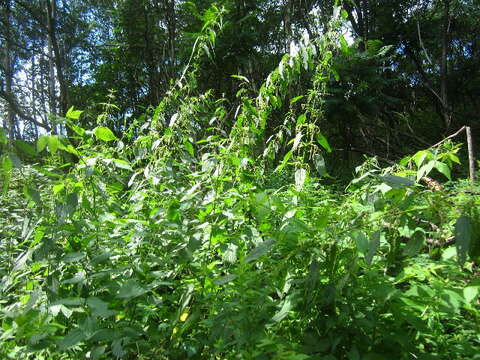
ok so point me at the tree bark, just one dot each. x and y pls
(8, 69)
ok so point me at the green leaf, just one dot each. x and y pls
(397, 182)
(100, 307)
(260, 250)
(189, 147)
(322, 140)
(425, 169)
(361, 241)
(421, 156)
(444, 169)
(122, 164)
(283, 312)
(25, 147)
(74, 337)
(415, 244)
(284, 162)
(73, 114)
(130, 289)
(373, 246)
(301, 119)
(42, 143)
(104, 133)
(463, 237)
(471, 293)
(296, 98)
(53, 144)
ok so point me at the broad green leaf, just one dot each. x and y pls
(104, 133)
(225, 279)
(42, 142)
(425, 169)
(322, 140)
(373, 246)
(73, 114)
(73, 257)
(130, 289)
(463, 236)
(58, 188)
(260, 250)
(54, 144)
(444, 169)
(361, 241)
(25, 147)
(122, 164)
(421, 156)
(74, 337)
(471, 293)
(415, 244)
(99, 307)
(396, 181)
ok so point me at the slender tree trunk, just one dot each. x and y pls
(57, 56)
(10, 119)
(447, 113)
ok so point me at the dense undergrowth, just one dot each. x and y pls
(182, 239)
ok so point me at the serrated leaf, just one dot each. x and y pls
(415, 244)
(99, 307)
(421, 156)
(130, 289)
(73, 114)
(361, 241)
(74, 337)
(373, 246)
(397, 182)
(260, 250)
(104, 133)
(470, 293)
(463, 237)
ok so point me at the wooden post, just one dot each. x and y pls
(471, 157)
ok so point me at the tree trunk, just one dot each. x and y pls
(447, 113)
(57, 56)
(10, 119)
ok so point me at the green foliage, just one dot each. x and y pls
(181, 238)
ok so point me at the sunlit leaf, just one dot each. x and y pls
(104, 133)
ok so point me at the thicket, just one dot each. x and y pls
(180, 238)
